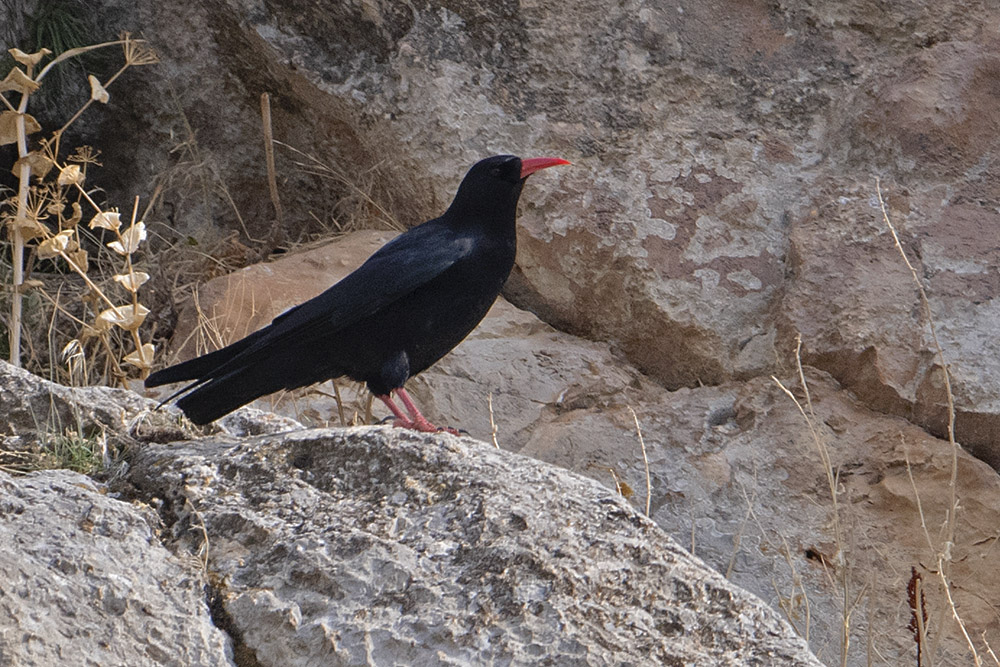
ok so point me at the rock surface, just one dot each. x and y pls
(35, 413)
(729, 464)
(376, 546)
(84, 580)
(737, 477)
(352, 546)
(723, 199)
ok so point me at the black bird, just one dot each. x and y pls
(407, 306)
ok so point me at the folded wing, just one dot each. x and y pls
(278, 356)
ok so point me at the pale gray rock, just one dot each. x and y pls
(379, 546)
(84, 580)
(34, 411)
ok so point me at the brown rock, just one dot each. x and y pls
(737, 477)
(721, 201)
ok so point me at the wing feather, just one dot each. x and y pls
(409, 261)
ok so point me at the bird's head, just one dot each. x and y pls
(493, 186)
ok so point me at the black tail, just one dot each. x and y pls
(247, 379)
(226, 379)
(199, 367)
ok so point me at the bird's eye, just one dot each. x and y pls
(495, 171)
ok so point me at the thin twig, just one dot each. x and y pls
(954, 611)
(340, 403)
(946, 375)
(272, 180)
(493, 424)
(989, 649)
(944, 554)
(645, 459)
(618, 484)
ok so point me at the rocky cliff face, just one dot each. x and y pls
(722, 205)
(726, 153)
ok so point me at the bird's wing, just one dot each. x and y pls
(398, 268)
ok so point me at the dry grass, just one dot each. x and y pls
(493, 424)
(359, 209)
(840, 571)
(354, 205)
(645, 459)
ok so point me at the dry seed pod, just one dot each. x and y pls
(70, 175)
(131, 238)
(8, 126)
(28, 59)
(106, 220)
(126, 317)
(132, 281)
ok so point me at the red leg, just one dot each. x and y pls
(418, 421)
(401, 419)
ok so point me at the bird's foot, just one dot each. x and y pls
(424, 426)
(414, 421)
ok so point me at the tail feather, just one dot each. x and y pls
(258, 365)
(249, 379)
(199, 367)
(209, 401)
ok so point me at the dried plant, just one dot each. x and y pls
(44, 217)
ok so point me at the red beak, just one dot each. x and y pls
(533, 164)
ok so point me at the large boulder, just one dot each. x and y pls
(722, 204)
(377, 546)
(85, 580)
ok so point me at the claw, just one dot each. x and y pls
(414, 420)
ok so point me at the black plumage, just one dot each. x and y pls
(407, 306)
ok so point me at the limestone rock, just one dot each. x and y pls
(377, 546)
(737, 477)
(84, 580)
(722, 203)
(34, 412)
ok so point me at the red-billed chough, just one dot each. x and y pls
(406, 307)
